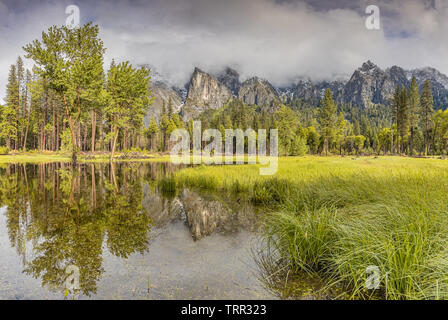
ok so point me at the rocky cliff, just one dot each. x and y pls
(162, 94)
(369, 85)
(258, 91)
(204, 92)
(231, 79)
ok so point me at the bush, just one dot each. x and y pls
(4, 150)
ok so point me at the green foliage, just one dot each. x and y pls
(128, 96)
(4, 150)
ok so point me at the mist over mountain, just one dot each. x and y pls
(369, 85)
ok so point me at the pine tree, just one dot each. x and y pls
(341, 126)
(153, 129)
(403, 116)
(327, 116)
(8, 126)
(426, 111)
(396, 113)
(414, 107)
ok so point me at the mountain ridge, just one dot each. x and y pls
(368, 85)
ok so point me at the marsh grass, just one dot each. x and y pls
(167, 186)
(335, 217)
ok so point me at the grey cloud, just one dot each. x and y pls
(277, 40)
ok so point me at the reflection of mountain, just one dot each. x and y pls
(160, 209)
(203, 217)
(206, 215)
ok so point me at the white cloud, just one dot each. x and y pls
(275, 40)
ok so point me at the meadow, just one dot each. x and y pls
(337, 216)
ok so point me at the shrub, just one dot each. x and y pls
(4, 150)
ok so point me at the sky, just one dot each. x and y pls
(280, 40)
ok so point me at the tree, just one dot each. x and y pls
(152, 131)
(129, 98)
(72, 61)
(414, 107)
(298, 146)
(313, 138)
(359, 142)
(403, 117)
(426, 111)
(341, 127)
(287, 124)
(164, 124)
(9, 119)
(384, 138)
(327, 116)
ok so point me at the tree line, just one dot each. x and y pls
(68, 97)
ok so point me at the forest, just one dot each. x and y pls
(69, 103)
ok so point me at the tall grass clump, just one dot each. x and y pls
(272, 191)
(394, 222)
(167, 186)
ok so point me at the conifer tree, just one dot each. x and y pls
(327, 116)
(426, 111)
(414, 107)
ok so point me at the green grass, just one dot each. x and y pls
(49, 156)
(337, 216)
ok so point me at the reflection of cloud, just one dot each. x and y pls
(278, 40)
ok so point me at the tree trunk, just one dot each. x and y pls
(101, 134)
(53, 142)
(114, 143)
(93, 131)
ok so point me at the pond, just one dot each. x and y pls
(127, 238)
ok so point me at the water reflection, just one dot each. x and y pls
(97, 215)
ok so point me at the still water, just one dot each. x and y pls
(129, 239)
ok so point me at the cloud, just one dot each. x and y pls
(277, 40)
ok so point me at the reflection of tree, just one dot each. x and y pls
(127, 223)
(67, 213)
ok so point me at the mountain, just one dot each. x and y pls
(258, 91)
(399, 76)
(204, 92)
(369, 85)
(162, 94)
(439, 84)
(231, 79)
(312, 93)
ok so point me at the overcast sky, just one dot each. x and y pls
(274, 39)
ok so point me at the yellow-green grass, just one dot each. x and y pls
(337, 216)
(44, 157)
